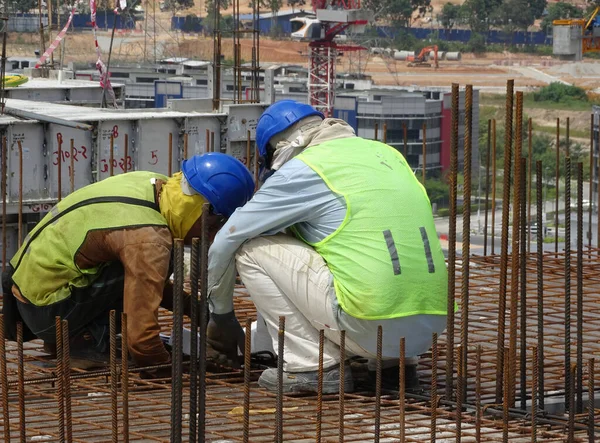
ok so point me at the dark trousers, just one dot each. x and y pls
(87, 309)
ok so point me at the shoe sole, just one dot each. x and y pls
(329, 387)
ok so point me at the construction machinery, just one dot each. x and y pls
(422, 59)
(576, 36)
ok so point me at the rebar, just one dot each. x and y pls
(185, 146)
(452, 242)
(493, 184)
(247, 372)
(434, 362)
(114, 400)
(567, 264)
(529, 179)
(377, 383)
(111, 155)
(478, 394)
(342, 390)
(60, 378)
(320, 386)
(4, 377)
(194, 271)
(534, 383)
(504, 239)
(523, 292)
(59, 166)
(376, 132)
(177, 353)
(424, 151)
(280, 360)
(591, 401)
(170, 167)
(460, 394)
(540, 283)
(207, 140)
(66, 361)
(579, 316)
(203, 320)
(568, 134)
(125, 376)
(248, 150)
(126, 153)
(402, 390)
(571, 403)
(589, 234)
(4, 179)
(21, 380)
(487, 188)
(405, 131)
(384, 139)
(506, 397)
(72, 168)
(557, 184)
(20, 216)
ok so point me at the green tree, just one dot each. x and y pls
(397, 12)
(450, 15)
(23, 5)
(558, 11)
(513, 15)
(296, 3)
(211, 8)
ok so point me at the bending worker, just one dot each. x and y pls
(361, 251)
(108, 246)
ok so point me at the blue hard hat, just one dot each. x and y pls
(277, 118)
(220, 178)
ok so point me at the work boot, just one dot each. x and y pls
(308, 381)
(390, 378)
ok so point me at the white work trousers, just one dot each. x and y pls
(286, 277)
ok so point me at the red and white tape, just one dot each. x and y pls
(56, 41)
(104, 77)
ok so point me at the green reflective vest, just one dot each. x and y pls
(45, 270)
(385, 257)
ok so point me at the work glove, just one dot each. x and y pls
(225, 336)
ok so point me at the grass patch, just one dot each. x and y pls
(496, 100)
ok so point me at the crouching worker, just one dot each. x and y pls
(362, 252)
(108, 246)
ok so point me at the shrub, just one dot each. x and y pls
(560, 93)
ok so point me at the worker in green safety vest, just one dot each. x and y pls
(360, 250)
(109, 246)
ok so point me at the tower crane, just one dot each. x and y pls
(576, 36)
(335, 17)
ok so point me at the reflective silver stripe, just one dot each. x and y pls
(427, 250)
(387, 234)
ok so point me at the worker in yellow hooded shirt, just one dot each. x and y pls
(109, 246)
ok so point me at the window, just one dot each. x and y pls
(146, 79)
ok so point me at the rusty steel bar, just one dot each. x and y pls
(376, 135)
(280, 360)
(534, 385)
(405, 136)
(452, 243)
(529, 179)
(60, 378)
(125, 153)
(177, 353)
(384, 134)
(515, 259)
(4, 374)
(504, 239)
(460, 394)
(170, 168)
(487, 188)
(598, 197)
(203, 322)
(4, 178)
(424, 151)
(113, 377)
(66, 361)
(579, 315)
(523, 281)
(466, 235)
(377, 383)
(571, 403)
(557, 184)
(589, 233)
(20, 216)
(568, 134)
(72, 169)
(59, 165)
(111, 155)
(21, 381)
(493, 184)
(591, 401)
(433, 391)
(506, 397)
(540, 283)
(125, 376)
(207, 140)
(194, 271)
(185, 146)
(247, 373)
(478, 395)
(248, 151)
(342, 392)
(320, 387)
(567, 265)
(402, 390)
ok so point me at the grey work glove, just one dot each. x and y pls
(225, 335)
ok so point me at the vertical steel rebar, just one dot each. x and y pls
(567, 280)
(571, 403)
(203, 322)
(506, 397)
(376, 135)
(185, 145)
(125, 153)
(4, 379)
(20, 216)
(378, 383)
(125, 376)
(170, 167)
(523, 282)
(540, 283)
(384, 135)
(534, 385)
(60, 378)
(557, 185)
(4, 179)
(320, 387)
(113, 377)
(493, 184)
(402, 390)
(177, 353)
(72, 168)
(59, 166)
(589, 234)
(568, 135)
(434, 399)
(529, 180)
(452, 243)
(111, 155)
(280, 360)
(424, 151)
(591, 401)
(342, 391)
(478, 395)
(504, 239)
(579, 316)
(21, 383)
(405, 137)
(460, 394)
(248, 150)
(247, 373)
(487, 188)
(597, 194)
(194, 271)
(66, 361)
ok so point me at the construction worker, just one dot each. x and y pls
(361, 250)
(108, 246)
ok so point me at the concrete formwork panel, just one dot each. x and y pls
(152, 145)
(118, 131)
(201, 131)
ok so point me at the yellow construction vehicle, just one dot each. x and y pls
(576, 36)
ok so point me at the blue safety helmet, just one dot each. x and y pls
(220, 178)
(277, 118)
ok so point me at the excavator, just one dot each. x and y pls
(422, 60)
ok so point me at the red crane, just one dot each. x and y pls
(336, 16)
